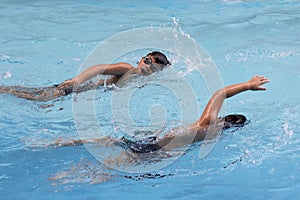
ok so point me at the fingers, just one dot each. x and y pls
(257, 81)
(265, 81)
(262, 88)
(61, 86)
(65, 84)
(262, 79)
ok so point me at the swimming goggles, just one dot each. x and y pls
(147, 60)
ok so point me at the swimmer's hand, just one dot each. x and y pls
(67, 84)
(256, 82)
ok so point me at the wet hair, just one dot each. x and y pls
(234, 121)
(159, 57)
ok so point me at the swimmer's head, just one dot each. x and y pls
(159, 58)
(234, 121)
(153, 62)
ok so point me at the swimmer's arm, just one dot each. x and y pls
(105, 69)
(211, 111)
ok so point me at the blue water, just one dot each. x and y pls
(45, 42)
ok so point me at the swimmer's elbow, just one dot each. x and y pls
(204, 121)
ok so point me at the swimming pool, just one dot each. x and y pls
(44, 42)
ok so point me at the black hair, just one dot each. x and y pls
(160, 58)
(234, 121)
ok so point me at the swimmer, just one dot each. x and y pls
(206, 127)
(151, 63)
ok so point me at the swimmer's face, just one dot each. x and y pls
(148, 66)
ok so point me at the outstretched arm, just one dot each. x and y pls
(105, 69)
(211, 111)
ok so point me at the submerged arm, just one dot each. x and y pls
(211, 111)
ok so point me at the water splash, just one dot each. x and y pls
(244, 55)
(177, 27)
(6, 58)
(287, 130)
(5, 75)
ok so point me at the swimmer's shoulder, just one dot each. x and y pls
(118, 68)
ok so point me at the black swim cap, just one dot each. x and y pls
(159, 57)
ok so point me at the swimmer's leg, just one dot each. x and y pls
(106, 141)
(36, 94)
(145, 145)
(50, 92)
